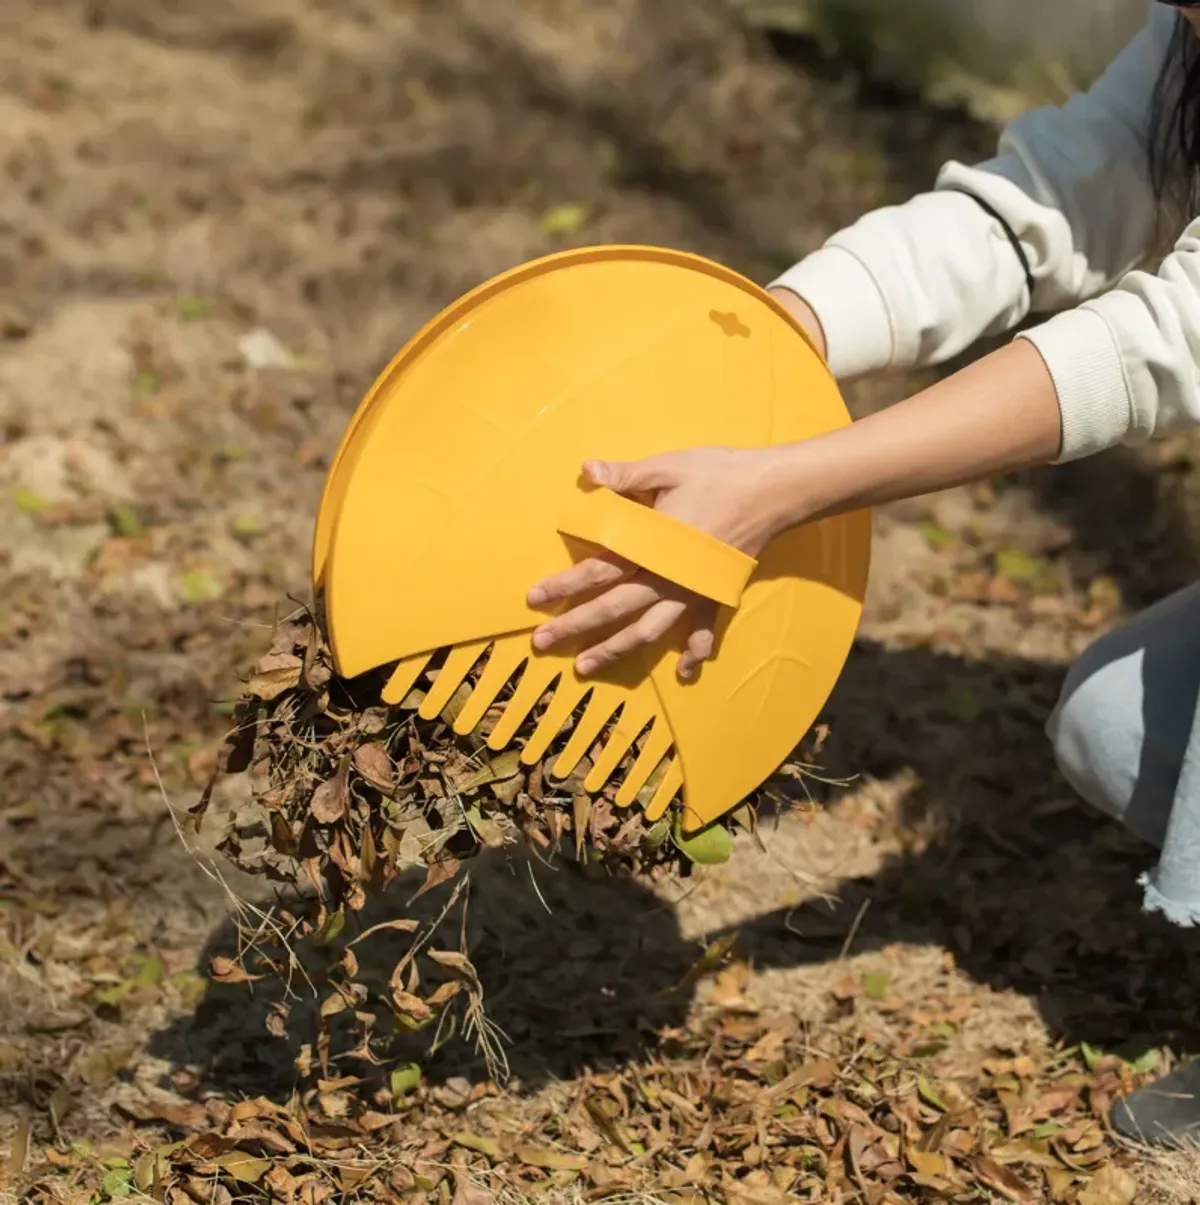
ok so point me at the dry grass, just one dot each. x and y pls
(1170, 1177)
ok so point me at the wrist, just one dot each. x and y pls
(786, 486)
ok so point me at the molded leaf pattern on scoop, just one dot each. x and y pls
(442, 505)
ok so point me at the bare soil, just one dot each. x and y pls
(179, 175)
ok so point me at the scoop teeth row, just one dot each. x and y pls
(627, 715)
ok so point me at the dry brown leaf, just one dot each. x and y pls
(373, 763)
(481, 1145)
(331, 799)
(929, 1163)
(460, 964)
(1001, 1179)
(467, 1192)
(439, 872)
(550, 1160)
(410, 1005)
(275, 674)
(249, 1169)
(225, 970)
(18, 1153)
(1111, 1185)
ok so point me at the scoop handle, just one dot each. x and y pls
(676, 551)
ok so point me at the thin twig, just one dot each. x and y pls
(854, 930)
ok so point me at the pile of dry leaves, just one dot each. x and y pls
(348, 795)
(737, 1107)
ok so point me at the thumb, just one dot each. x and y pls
(633, 476)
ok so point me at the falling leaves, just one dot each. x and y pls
(375, 766)
(274, 674)
(352, 794)
(331, 799)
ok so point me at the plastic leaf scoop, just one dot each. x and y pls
(457, 487)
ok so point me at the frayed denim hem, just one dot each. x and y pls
(1186, 915)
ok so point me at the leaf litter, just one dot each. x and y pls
(730, 1104)
(738, 1104)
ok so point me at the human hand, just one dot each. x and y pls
(722, 491)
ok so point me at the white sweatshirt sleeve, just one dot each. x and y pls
(916, 284)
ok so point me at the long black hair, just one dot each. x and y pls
(1174, 142)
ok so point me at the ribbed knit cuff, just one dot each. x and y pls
(850, 306)
(1081, 352)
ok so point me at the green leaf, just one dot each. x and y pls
(937, 537)
(660, 831)
(192, 308)
(927, 1092)
(876, 984)
(28, 502)
(114, 993)
(405, 1080)
(709, 847)
(565, 219)
(199, 586)
(118, 1182)
(1017, 566)
(1143, 1064)
(146, 383)
(1049, 1130)
(246, 527)
(1022, 569)
(335, 922)
(125, 521)
(1091, 1056)
(150, 972)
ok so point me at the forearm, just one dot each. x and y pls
(995, 416)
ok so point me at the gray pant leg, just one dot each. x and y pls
(1123, 724)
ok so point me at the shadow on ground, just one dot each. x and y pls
(1026, 889)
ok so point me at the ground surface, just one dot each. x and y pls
(934, 961)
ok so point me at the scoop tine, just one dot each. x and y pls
(569, 694)
(635, 715)
(506, 656)
(459, 663)
(667, 790)
(601, 707)
(657, 746)
(404, 678)
(538, 677)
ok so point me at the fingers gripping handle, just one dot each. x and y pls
(673, 550)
